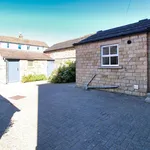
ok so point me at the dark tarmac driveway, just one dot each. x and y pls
(71, 118)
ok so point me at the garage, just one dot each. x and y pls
(13, 68)
(15, 64)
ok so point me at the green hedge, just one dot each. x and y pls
(64, 74)
(31, 78)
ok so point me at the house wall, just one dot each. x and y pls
(23, 47)
(132, 59)
(148, 52)
(61, 56)
(2, 71)
(38, 67)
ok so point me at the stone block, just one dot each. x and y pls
(133, 57)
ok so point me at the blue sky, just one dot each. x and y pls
(58, 20)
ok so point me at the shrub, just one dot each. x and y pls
(64, 74)
(31, 78)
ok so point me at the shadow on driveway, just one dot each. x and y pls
(7, 110)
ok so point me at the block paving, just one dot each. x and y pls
(71, 118)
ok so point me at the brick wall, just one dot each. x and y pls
(132, 59)
(60, 56)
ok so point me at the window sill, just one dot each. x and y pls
(110, 67)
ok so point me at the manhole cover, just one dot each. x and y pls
(17, 97)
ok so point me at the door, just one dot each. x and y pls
(50, 67)
(13, 71)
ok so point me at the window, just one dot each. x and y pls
(38, 48)
(7, 45)
(109, 55)
(30, 63)
(28, 47)
(19, 46)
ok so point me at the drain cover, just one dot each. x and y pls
(17, 97)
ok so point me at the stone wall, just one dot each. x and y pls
(132, 62)
(61, 56)
(32, 67)
(38, 67)
(148, 52)
(59, 62)
(2, 71)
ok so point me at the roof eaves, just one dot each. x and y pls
(49, 59)
(96, 40)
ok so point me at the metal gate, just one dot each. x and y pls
(13, 71)
(50, 67)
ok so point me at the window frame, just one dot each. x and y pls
(19, 46)
(8, 45)
(109, 55)
(28, 47)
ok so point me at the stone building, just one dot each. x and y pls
(116, 60)
(64, 51)
(20, 57)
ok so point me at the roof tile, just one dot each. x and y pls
(24, 55)
(66, 44)
(22, 41)
(138, 27)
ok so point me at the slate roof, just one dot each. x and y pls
(138, 27)
(23, 55)
(65, 44)
(22, 41)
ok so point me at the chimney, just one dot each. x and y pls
(20, 36)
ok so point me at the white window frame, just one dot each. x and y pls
(109, 55)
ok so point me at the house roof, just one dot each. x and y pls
(65, 44)
(22, 41)
(138, 27)
(24, 55)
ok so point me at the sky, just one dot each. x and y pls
(55, 21)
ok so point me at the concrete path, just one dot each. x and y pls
(22, 135)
